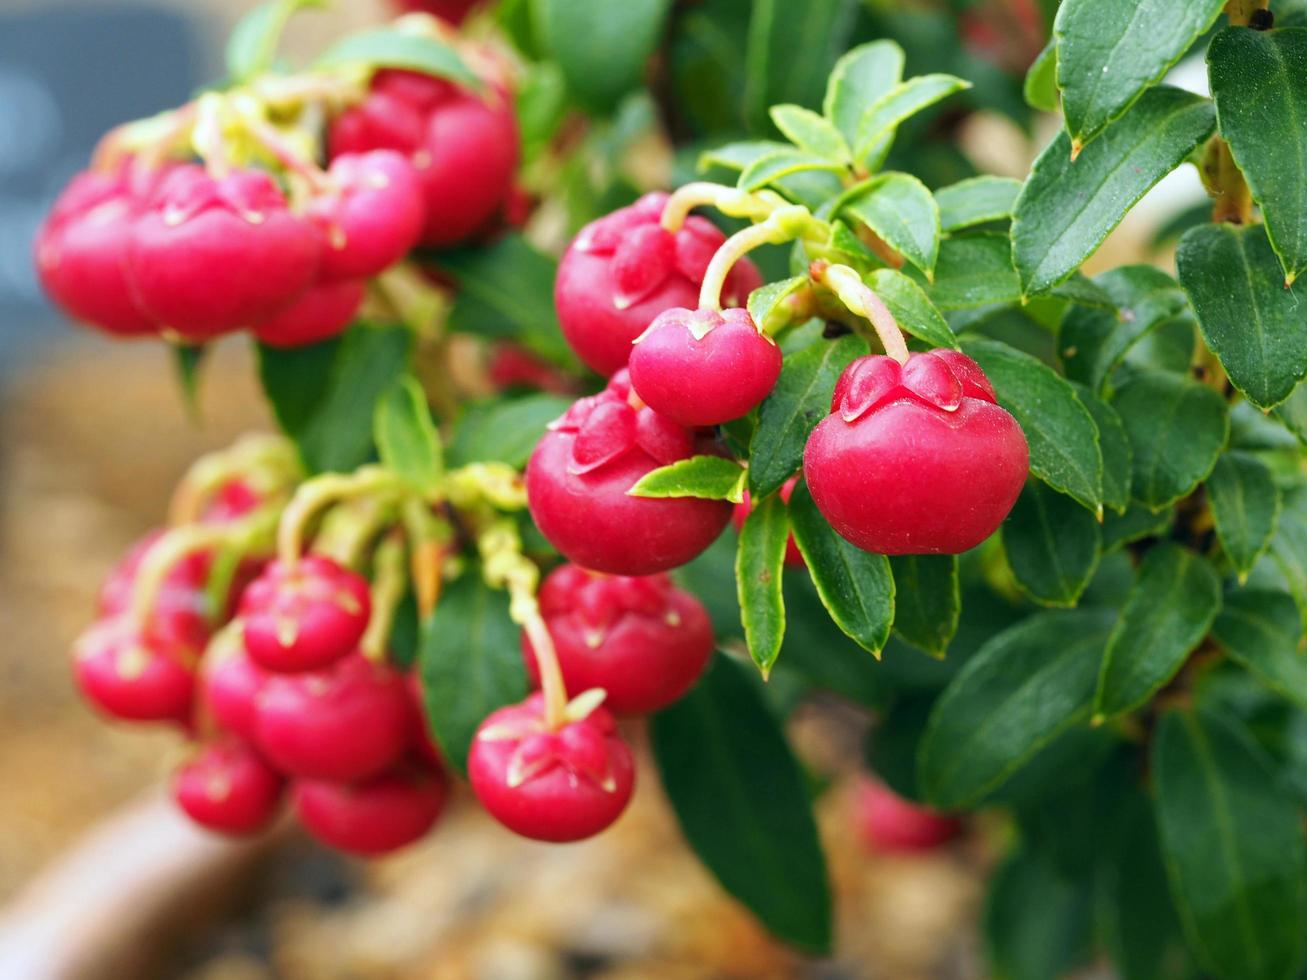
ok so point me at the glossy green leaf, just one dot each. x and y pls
(1259, 82)
(1040, 85)
(759, 564)
(406, 436)
(1176, 596)
(1262, 629)
(1068, 207)
(1177, 429)
(1037, 923)
(810, 132)
(1024, 687)
(767, 303)
(470, 663)
(742, 803)
(1063, 437)
(903, 100)
(859, 78)
(1115, 447)
(974, 270)
(1289, 545)
(1253, 324)
(1136, 523)
(385, 48)
(900, 209)
(773, 166)
(1232, 841)
(706, 477)
(737, 156)
(927, 600)
(504, 430)
(790, 50)
(1110, 51)
(855, 586)
(975, 201)
(1051, 544)
(1292, 413)
(911, 307)
(252, 45)
(1246, 505)
(799, 401)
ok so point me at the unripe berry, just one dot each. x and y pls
(373, 215)
(623, 270)
(642, 640)
(890, 824)
(120, 671)
(228, 788)
(918, 458)
(554, 786)
(372, 817)
(306, 615)
(321, 312)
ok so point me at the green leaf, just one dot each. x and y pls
(1253, 324)
(1177, 429)
(1067, 208)
(1115, 446)
(859, 78)
(900, 209)
(1040, 85)
(759, 564)
(706, 477)
(1245, 504)
(781, 163)
(503, 430)
(1259, 81)
(1289, 545)
(1292, 413)
(1023, 689)
(1037, 923)
(737, 156)
(742, 804)
(324, 395)
(799, 401)
(1063, 437)
(855, 586)
(905, 99)
(766, 303)
(1171, 607)
(384, 48)
(1110, 51)
(1232, 841)
(974, 270)
(927, 600)
(810, 132)
(790, 50)
(1137, 522)
(252, 45)
(405, 435)
(1262, 629)
(188, 359)
(911, 308)
(470, 663)
(975, 201)
(1051, 544)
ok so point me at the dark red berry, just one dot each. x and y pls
(321, 312)
(372, 216)
(181, 620)
(379, 815)
(348, 721)
(890, 824)
(918, 458)
(512, 366)
(305, 615)
(228, 788)
(793, 557)
(425, 745)
(701, 367)
(211, 255)
(554, 786)
(230, 685)
(622, 271)
(454, 11)
(642, 640)
(126, 675)
(579, 475)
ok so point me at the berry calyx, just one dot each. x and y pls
(348, 721)
(916, 458)
(623, 270)
(122, 672)
(304, 615)
(892, 825)
(578, 480)
(702, 367)
(793, 557)
(372, 214)
(376, 816)
(228, 788)
(642, 640)
(559, 786)
(321, 312)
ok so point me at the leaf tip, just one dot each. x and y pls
(1290, 279)
(1077, 144)
(1098, 513)
(1097, 720)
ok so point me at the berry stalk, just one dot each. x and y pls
(388, 582)
(785, 224)
(860, 299)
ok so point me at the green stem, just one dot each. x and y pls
(388, 584)
(785, 224)
(859, 298)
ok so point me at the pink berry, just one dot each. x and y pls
(124, 674)
(233, 500)
(623, 270)
(181, 620)
(306, 615)
(212, 255)
(553, 786)
(642, 640)
(793, 557)
(322, 311)
(379, 815)
(425, 745)
(577, 482)
(454, 11)
(701, 367)
(228, 788)
(890, 824)
(230, 684)
(348, 721)
(373, 215)
(916, 459)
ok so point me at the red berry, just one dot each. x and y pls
(227, 787)
(425, 745)
(374, 817)
(701, 367)
(320, 313)
(305, 615)
(622, 271)
(348, 721)
(230, 684)
(127, 676)
(793, 557)
(891, 824)
(81, 250)
(464, 146)
(232, 501)
(180, 622)
(512, 366)
(211, 255)
(579, 475)
(373, 216)
(916, 459)
(642, 640)
(454, 11)
(554, 786)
